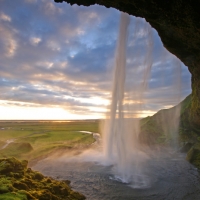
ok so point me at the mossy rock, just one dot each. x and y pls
(76, 195)
(5, 185)
(20, 185)
(42, 194)
(38, 176)
(19, 182)
(193, 155)
(11, 165)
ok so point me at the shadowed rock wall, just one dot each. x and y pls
(178, 24)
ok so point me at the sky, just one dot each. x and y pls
(57, 62)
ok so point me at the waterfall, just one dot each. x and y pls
(122, 128)
(130, 81)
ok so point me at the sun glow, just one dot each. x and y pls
(30, 111)
(15, 110)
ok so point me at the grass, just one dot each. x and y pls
(34, 139)
(13, 196)
(154, 131)
(13, 133)
(16, 149)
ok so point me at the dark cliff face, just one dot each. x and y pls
(177, 23)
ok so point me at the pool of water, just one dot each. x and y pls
(167, 176)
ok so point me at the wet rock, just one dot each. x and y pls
(186, 147)
(75, 195)
(67, 182)
(193, 156)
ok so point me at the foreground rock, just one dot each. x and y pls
(17, 182)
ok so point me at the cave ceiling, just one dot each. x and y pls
(178, 25)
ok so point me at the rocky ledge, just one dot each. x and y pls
(18, 182)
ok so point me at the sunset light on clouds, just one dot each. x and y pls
(56, 61)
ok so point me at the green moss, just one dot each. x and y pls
(5, 185)
(13, 196)
(19, 182)
(20, 185)
(161, 139)
(151, 131)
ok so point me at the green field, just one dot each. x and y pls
(34, 140)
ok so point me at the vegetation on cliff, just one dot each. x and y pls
(153, 132)
(17, 182)
(158, 129)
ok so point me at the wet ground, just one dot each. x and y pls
(168, 176)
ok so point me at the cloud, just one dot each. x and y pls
(8, 42)
(61, 55)
(30, 1)
(50, 9)
(5, 17)
(35, 40)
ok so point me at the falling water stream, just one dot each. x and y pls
(121, 129)
(119, 168)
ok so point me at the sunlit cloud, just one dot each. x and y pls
(60, 58)
(7, 41)
(35, 40)
(5, 17)
(53, 45)
(50, 9)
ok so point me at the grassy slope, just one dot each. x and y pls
(37, 139)
(189, 136)
(152, 131)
